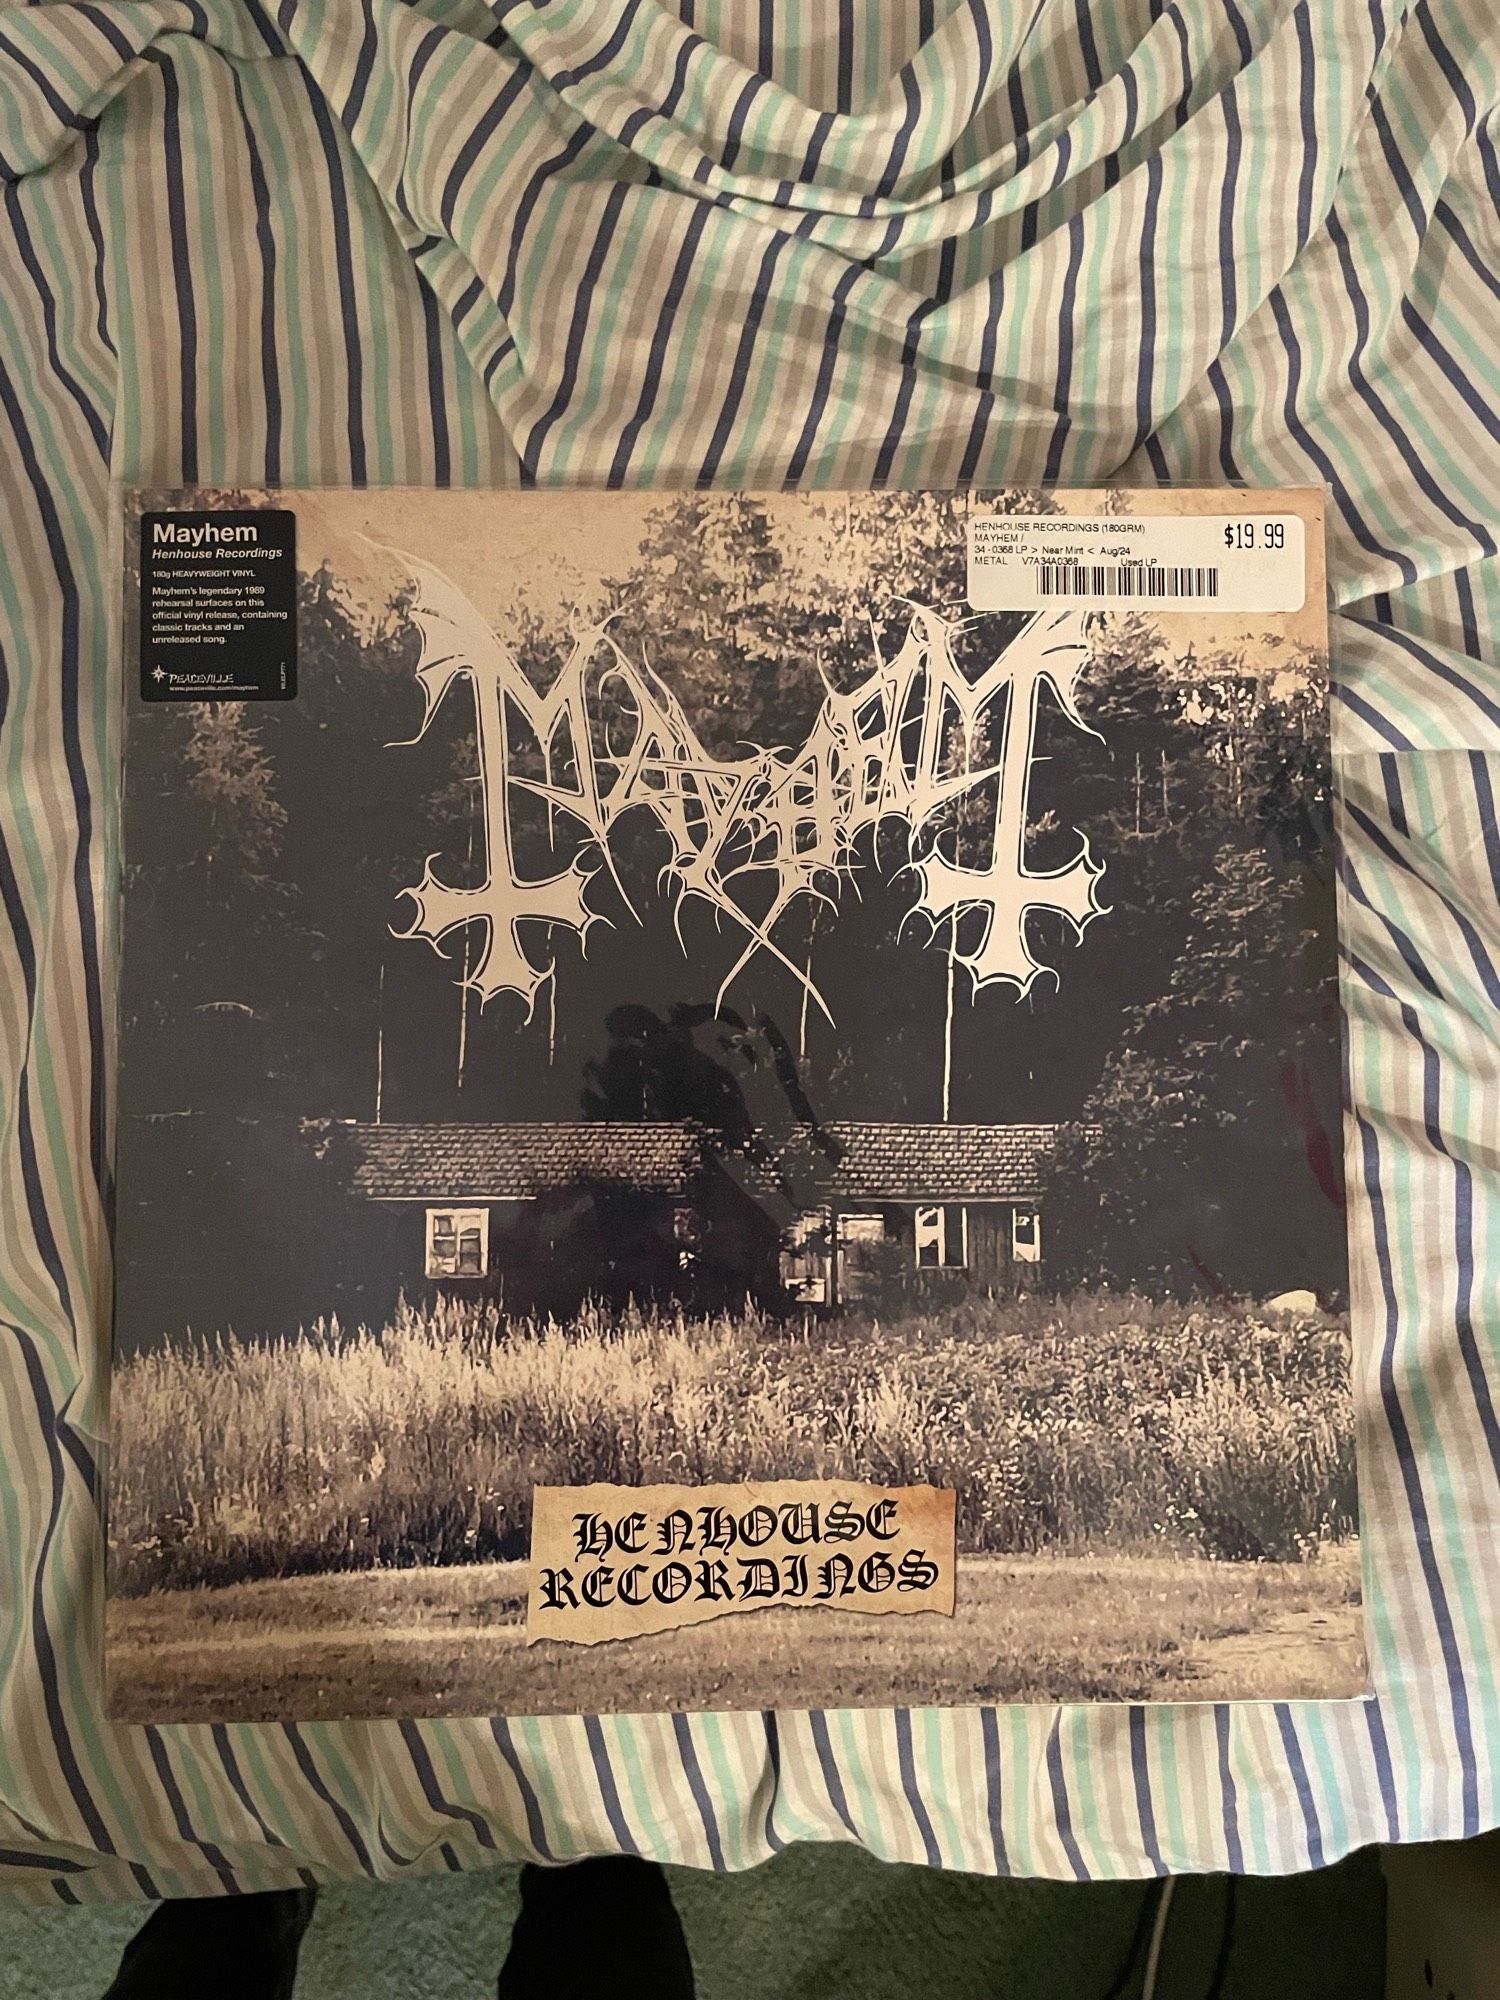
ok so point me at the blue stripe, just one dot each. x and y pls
(230, 1764)
(480, 134)
(660, 339)
(1471, 690)
(687, 1750)
(536, 1826)
(1084, 21)
(578, 326)
(603, 56)
(1395, 160)
(1468, 616)
(1147, 355)
(984, 49)
(1308, 111)
(442, 463)
(845, 98)
(989, 1729)
(1463, 1310)
(427, 48)
(1015, 98)
(979, 428)
(88, 191)
(887, 183)
(772, 1727)
(265, 239)
(1489, 160)
(1483, 965)
(82, 804)
(1395, 804)
(1228, 214)
(61, 1737)
(526, 208)
(364, 63)
(1411, 458)
(885, 457)
(46, 1864)
(182, 270)
(58, 105)
(265, 27)
(432, 1791)
(1185, 53)
(1367, 712)
(1431, 1069)
(1140, 1771)
(906, 1764)
(210, 1850)
(1489, 832)
(1234, 1852)
(1385, 1776)
(468, 298)
(343, 258)
(1411, 1478)
(307, 1765)
(1061, 1811)
(828, 1764)
(752, 88)
(1469, 250)
(1474, 400)
(1410, 956)
(1064, 381)
(100, 19)
(609, 1791)
(797, 463)
(21, 939)
(1328, 471)
(1297, 1765)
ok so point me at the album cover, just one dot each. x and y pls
(727, 1101)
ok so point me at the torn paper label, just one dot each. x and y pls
(612, 1562)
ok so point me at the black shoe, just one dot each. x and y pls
(597, 1930)
(217, 1948)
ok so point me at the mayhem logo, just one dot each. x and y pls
(917, 743)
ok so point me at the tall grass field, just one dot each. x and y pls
(1098, 1424)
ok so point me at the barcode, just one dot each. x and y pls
(1138, 580)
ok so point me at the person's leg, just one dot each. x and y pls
(217, 1948)
(597, 1930)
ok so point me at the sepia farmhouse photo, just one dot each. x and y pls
(662, 1210)
(680, 997)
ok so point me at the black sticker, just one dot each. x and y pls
(219, 605)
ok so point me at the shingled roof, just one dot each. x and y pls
(516, 1162)
(844, 1162)
(901, 1162)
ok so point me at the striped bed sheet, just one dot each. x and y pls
(763, 243)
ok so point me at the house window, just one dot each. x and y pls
(941, 1236)
(862, 1228)
(1026, 1236)
(458, 1242)
(805, 1258)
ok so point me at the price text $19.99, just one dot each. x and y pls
(1255, 534)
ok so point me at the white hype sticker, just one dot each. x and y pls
(1114, 562)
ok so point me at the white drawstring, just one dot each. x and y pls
(1158, 1932)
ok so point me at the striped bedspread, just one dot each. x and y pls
(757, 243)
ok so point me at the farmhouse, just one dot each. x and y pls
(830, 1215)
(531, 1209)
(898, 1201)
